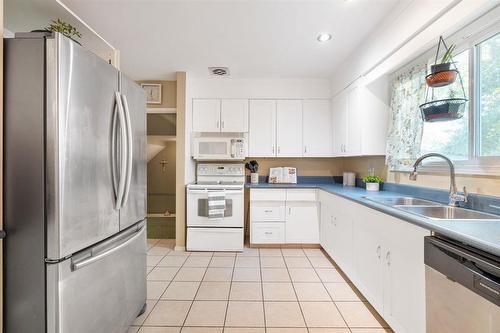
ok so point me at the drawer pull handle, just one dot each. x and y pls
(268, 233)
(268, 211)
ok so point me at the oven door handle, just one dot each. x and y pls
(225, 192)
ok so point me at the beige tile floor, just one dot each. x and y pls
(257, 291)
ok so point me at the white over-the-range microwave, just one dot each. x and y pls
(218, 148)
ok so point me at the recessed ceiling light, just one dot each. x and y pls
(324, 37)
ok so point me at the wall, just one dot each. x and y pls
(161, 184)
(180, 184)
(488, 185)
(168, 94)
(260, 88)
(305, 166)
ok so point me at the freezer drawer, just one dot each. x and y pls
(101, 289)
(215, 239)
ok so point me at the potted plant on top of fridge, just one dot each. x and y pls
(63, 28)
(372, 183)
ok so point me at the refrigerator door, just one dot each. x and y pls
(134, 199)
(80, 107)
(101, 289)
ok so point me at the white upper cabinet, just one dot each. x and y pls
(317, 128)
(339, 106)
(360, 120)
(215, 115)
(206, 115)
(234, 115)
(289, 128)
(262, 129)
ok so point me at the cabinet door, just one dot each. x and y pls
(354, 122)
(339, 124)
(367, 241)
(234, 115)
(206, 115)
(262, 130)
(343, 234)
(302, 223)
(317, 128)
(289, 128)
(404, 276)
(326, 222)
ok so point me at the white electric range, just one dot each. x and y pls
(225, 232)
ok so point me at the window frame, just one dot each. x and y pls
(475, 164)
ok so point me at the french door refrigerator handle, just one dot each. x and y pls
(100, 255)
(129, 151)
(114, 173)
(123, 154)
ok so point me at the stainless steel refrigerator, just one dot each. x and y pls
(74, 190)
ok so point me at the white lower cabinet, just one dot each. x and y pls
(267, 233)
(382, 255)
(302, 222)
(280, 216)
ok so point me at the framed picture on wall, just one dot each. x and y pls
(153, 92)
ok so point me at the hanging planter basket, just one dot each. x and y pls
(443, 75)
(443, 110)
(442, 78)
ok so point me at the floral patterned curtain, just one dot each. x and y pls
(406, 124)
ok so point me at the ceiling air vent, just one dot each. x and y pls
(219, 71)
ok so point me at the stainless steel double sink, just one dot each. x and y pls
(432, 210)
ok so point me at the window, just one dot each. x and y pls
(450, 138)
(473, 141)
(488, 54)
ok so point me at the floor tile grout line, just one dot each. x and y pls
(195, 294)
(229, 295)
(330, 296)
(296, 296)
(158, 300)
(262, 292)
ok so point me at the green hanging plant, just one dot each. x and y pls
(64, 28)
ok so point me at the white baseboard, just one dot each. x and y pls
(179, 248)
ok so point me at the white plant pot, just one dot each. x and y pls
(372, 186)
(254, 177)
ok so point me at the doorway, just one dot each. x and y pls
(161, 171)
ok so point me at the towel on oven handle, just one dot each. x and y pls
(216, 204)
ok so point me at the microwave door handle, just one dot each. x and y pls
(233, 148)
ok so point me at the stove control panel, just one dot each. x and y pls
(216, 169)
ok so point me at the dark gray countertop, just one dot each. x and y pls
(481, 234)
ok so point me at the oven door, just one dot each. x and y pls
(197, 209)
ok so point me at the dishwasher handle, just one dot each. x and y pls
(477, 273)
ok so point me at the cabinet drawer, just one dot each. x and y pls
(267, 233)
(267, 211)
(301, 195)
(267, 195)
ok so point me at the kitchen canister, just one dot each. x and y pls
(349, 179)
(254, 177)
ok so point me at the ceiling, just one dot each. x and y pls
(259, 38)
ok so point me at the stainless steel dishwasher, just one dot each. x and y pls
(462, 288)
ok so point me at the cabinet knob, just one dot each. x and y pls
(223, 124)
(272, 148)
(305, 149)
(378, 251)
(279, 150)
(217, 124)
(388, 258)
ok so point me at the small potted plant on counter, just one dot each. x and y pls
(372, 183)
(253, 166)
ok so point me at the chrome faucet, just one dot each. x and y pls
(455, 198)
